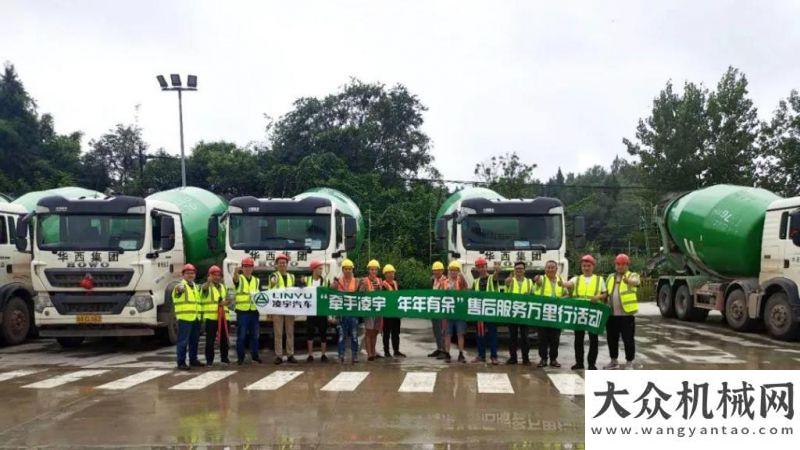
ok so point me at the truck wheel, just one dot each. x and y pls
(16, 322)
(736, 311)
(684, 306)
(779, 318)
(70, 342)
(666, 304)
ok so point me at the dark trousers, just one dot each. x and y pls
(548, 343)
(247, 331)
(593, 348)
(188, 337)
(621, 326)
(487, 335)
(391, 331)
(211, 336)
(519, 339)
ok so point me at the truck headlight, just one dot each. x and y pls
(142, 302)
(41, 302)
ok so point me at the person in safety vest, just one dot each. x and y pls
(437, 272)
(391, 325)
(549, 285)
(317, 325)
(590, 287)
(621, 287)
(518, 334)
(283, 324)
(247, 329)
(372, 325)
(213, 303)
(347, 325)
(186, 304)
(454, 281)
(486, 331)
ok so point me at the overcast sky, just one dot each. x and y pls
(560, 84)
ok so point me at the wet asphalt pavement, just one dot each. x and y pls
(109, 394)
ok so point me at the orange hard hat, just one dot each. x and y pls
(588, 259)
(281, 256)
(214, 269)
(480, 262)
(248, 262)
(188, 268)
(315, 264)
(622, 258)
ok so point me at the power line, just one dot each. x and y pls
(539, 184)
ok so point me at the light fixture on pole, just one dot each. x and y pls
(191, 85)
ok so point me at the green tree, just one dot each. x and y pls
(116, 161)
(508, 175)
(780, 148)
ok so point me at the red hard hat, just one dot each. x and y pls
(214, 269)
(589, 259)
(189, 268)
(248, 262)
(622, 258)
(281, 256)
(480, 262)
(315, 264)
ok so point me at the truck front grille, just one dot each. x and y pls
(103, 278)
(90, 303)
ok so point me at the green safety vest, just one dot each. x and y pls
(525, 287)
(490, 285)
(627, 294)
(280, 283)
(550, 289)
(209, 301)
(186, 304)
(587, 290)
(244, 290)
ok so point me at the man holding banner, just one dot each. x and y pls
(280, 323)
(519, 284)
(549, 285)
(316, 325)
(437, 272)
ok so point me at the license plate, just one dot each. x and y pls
(88, 318)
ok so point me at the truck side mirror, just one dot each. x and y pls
(213, 232)
(580, 231)
(794, 227)
(167, 233)
(441, 233)
(21, 233)
(350, 231)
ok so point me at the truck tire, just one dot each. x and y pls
(168, 334)
(779, 319)
(666, 303)
(684, 306)
(736, 311)
(16, 322)
(70, 342)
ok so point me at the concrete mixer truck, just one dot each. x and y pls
(16, 292)
(478, 222)
(320, 224)
(732, 249)
(106, 266)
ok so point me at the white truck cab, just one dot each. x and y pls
(16, 294)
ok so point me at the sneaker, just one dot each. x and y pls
(399, 355)
(323, 358)
(209, 364)
(257, 360)
(526, 362)
(240, 361)
(542, 363)
(196, 364)
(495, 361)
(511, 361)
(226, 361)
(370, 358)
(577, 367)
(433, 354)
(183, 367)
(278, 360)
(629, 365)
(461, 357)
(612, 365)
(442, 355)
(447, 358)
(592, 367)
(555, 364)
(341, 359)
(378, 356)
(355, 360)
(388, 354)
(478, 359)
(291, 359)
(310, 358)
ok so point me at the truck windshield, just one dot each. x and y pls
(512, 232)
(90, 232)
(271, 232)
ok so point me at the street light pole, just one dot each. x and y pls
(183, 155)
(191, 82)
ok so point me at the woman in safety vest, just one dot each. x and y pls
(391, 325)
(372, 325)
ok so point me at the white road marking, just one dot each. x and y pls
(345, 381)
(418, 382)
(204, 380)
(133, 380)
(5, 376)
(274, 380)
(64, 379)
(567, 383)
(494, 383)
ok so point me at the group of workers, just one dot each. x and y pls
(206, 305)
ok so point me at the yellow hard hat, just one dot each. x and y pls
(454, 265)
(388, 268)
(437, 266)
(373, 263)
(347, 264)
